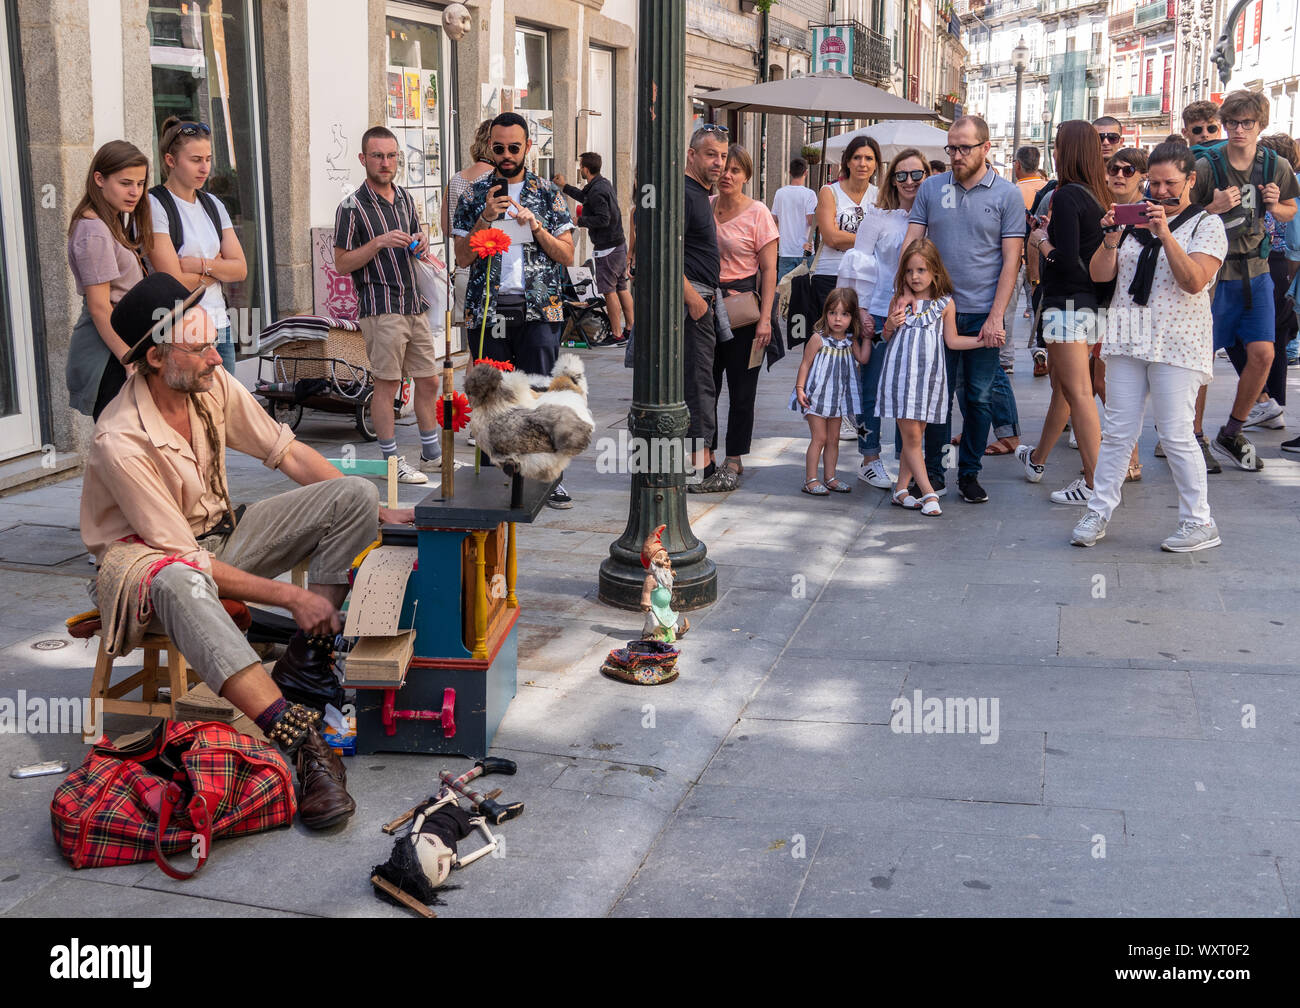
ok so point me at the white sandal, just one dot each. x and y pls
(930, 505)
(903, 499)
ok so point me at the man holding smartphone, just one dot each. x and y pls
(377, 235)
(520, 291)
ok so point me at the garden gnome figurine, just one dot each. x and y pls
(661, 623)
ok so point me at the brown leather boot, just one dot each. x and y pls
(324, 800)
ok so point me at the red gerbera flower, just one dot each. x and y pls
(499, 365)
(489, 242)
(460, 411)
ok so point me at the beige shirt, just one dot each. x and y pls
(142, 478)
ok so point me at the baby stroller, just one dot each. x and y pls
(586, 321)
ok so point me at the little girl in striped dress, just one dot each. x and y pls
(828, 386)
(914, 376)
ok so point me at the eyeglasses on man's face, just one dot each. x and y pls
(1127, 170)
(916, 174)
(1209, 129)
(197, 351)
(499, 149)
(1110, 138)
(1242, 124)
(961, 150)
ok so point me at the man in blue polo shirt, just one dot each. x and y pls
(976, 219)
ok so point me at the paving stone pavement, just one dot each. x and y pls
(1141, 758)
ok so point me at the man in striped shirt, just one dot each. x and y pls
(377, 235)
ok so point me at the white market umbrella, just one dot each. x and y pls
(892, 137)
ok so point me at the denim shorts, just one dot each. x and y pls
(1071, 325)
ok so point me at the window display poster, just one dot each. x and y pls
(395, 98)
(414, 101)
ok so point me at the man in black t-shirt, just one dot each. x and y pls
(704, 162)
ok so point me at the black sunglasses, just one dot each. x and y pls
(1210, 128)
(1109, 137)
(188, 129)
(499, 149)
(713, 128)
(1127, 170)
(916, 174)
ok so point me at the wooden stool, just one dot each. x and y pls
(176, 675)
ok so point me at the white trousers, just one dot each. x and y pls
(1173, 402)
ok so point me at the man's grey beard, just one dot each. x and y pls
(663, 575)
(178, 382)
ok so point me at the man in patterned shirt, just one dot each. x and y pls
(521, 291)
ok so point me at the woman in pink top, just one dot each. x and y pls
(747, 241)
(105, 256)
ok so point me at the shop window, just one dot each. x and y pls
(206, 68)
(532, 96)
(416, 108)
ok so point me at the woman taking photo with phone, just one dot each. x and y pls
(105, 257)
(1070, 304)
(208, 254)
(1158, 341)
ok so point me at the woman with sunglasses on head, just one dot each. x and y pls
(840, 209)
(208, 254)
(1158, 341)
(1070, 304)
(869, 268)
(105, 256)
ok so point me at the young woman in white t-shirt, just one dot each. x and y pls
(205, 258)
(1158, 340)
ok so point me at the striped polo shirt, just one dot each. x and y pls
(386, 285)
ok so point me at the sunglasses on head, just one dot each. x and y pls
(713, 128)
(499, 149)
(1127, 170)
(1208, 128)
(916, 174)
(1108, 137)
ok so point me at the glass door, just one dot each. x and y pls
(19, 423)
(600, 99)
(420, 108)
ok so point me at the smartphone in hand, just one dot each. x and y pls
(1127, 214)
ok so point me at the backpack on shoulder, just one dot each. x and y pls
(175, 227)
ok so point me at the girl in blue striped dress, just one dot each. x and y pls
(828, 387)
(914, 377)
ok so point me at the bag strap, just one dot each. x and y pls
(175, 230)
(199, 817)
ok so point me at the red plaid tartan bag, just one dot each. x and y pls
(181, 787)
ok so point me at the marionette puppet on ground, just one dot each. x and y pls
(652, 661)
(535, 434)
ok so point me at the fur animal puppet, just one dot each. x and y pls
(533, 433)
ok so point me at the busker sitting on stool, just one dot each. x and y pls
(156, 514)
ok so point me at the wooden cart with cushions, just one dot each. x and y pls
(316, 362)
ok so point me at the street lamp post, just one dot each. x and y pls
(1019, 56)
(658, 415)
(1047, 137)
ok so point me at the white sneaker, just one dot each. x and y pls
(1077, 492)
(1033, 471)
(1266, 414)
(1191, 537)
(408, 473)
(1074, 441)
(1091, 527)
(875, 474)
(848, 429)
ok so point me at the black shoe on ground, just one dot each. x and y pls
(1240, 450)
(937, 482)
(1292, 446)
(559, 499)
(971, 491)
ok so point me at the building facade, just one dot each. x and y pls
(1143, 70)
(1267, 59)
(288, 87)
(1062, 76)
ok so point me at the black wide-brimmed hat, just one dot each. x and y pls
(148, 311)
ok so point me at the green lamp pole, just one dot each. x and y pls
(658, 418)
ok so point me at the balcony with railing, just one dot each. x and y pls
(1115, 107)
(1152, 15)
(871, 54)
(1120, 24)
(1147, 105)
(1029, 132)
(1069, 6)
(992, 10)
(1040, 67)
